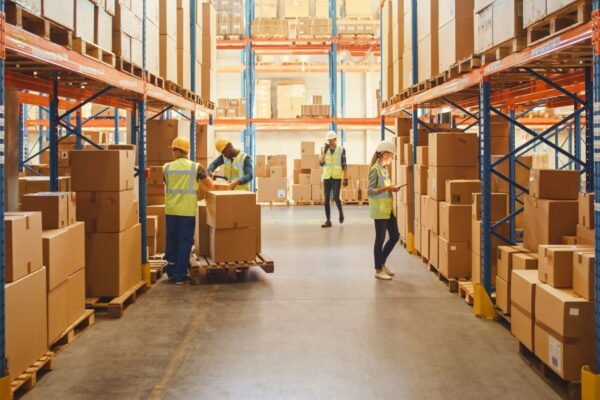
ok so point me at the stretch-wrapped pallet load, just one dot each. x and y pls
(230, 17)
(266, 8)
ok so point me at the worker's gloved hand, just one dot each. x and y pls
(345, 182)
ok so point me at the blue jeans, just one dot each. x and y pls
(180, 239)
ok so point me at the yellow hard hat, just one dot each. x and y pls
(221, 143)
(181, 143)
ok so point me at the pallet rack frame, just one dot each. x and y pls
(477, 84)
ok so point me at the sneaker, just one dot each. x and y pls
(382, 275)
(182, 281)
(341, 218)
(388, 271)
(326, 225)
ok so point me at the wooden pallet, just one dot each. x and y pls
(28, 379)
(559, 22)
(129, 68)
(503, 318)
(86, 320)
(92, 50)
(155, 80)
(463, 66)
(452, 283)
(38, 25)
(157, 269)
(568, 390)
(175, 88)
(229, 37)
(115, 307)
(274, 203)
(465, 289)
(355, 202)
(236, 271)
(306, 203)
(504, 49)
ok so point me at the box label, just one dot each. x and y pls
(555, 353)
(281, 194)
(574, 312)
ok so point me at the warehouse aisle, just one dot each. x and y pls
(319, 328)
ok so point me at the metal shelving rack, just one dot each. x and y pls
(557, 72)
(59, 72)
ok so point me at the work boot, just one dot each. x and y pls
(341, 218)
(326, 225)
(380, 274)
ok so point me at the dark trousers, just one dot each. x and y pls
(332, 185)
(180, 239)
(382, 251)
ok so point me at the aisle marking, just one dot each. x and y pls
(184, 347)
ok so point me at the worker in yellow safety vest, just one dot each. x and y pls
(237, 165)
(381, 207)
(333, 161)
(181, 178)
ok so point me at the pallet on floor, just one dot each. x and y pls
(115, 307)
(355, 202)
(465, 289)
(92, 50)
(82, 323)
(567, 390)
(504, 49)
(38, 25)
(129, 68)
(274, 203)
(157, 269)
(236, 271)
(559, 22)
(452, 283)
(306, 203)
(503, 318)
(28, 379)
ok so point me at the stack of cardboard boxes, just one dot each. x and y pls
(234, 221)
(497, 21)
(271, 178)
(312, 28)
(358, 183)
(358, 8)
(64, 257)
(107, 204)
(296, 8)
(127, 27)
(230, 17)
(427, 36)
(307, 185)
(290, 97)
(231, 108)
(316, 109)
(263, 99)
(270, 28)
(35, 184)
(209, 53)
(168, 40)
(265, 9)
(25, 292)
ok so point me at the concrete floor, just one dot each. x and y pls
(321, 327)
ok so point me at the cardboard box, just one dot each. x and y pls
(564, 331)
(232, 209)
(272, 189)
(317, 193)
(61, 12)
(499, 206)
(434, 249)
(202, 236)
(555, 264)
(113, 262)
(307, 147)
(476, 269)
(117, 168)
(36, 184)
(58, 309)
(453, 150)
(454, 222)
(152, 225)
(107, 212)
(583, 274)
(310, 161)
(496, 241)
(586, 210)
(53, 206)
(160, 133)
(524, 261)
(315, 176)
(504, 260)
(553, 184)
(454, 258)
(63, 251)
(461, 191)
(421, 179)
(424, 211)
(522, 299)
(76, 247)
(423, 155)
(585, 236)
(572, 240)
(301, 192)
(547, 221)
(439, 175)
(26, 321)
(418, 247)
(433, 215)
(230, 245)
(503, 295)
(425, 234)
(23, 244)
(161, 234)
(76, 296)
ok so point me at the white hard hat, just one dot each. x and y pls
(331, 135)
(388, 147)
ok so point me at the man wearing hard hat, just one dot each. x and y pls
(181, 178)
(238, 165)
(333, 161)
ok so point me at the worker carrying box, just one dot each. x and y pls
(181, 205)
(237, 164)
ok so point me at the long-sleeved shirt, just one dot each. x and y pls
(344, 164)
(248, 175)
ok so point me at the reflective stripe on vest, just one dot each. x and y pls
(381, 206)
(181, 187)
(333, 164)
(234, 169)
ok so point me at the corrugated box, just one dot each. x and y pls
(505, 259)
(23, 246)
(230, 245)
(453, 149)
(439, 175)
(583, 274)
(301, 192)
(461, 191)
(503, 295)
(554, 184)
(586, 210)
(272, 189)
(61, 12)
(107, 212)
(454, 222)
(499, 206)
(555, 264)
(76, 296)
(117, 168)
(454, 258)
(522, 293)
(522, 261)
(58, 311)
(53, 206)
(231, 209)
(547, 221)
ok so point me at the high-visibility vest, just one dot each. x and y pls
(181, 187)
(234, 169)
(381, 206)
(333, 164)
